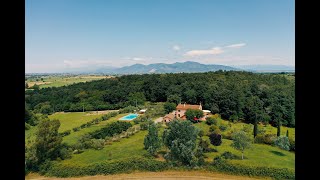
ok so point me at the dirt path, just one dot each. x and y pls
(166, 175)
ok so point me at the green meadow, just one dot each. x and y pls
(259, 155)
(57, 81)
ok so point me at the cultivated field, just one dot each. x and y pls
(56, 81)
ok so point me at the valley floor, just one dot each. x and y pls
(165, 175)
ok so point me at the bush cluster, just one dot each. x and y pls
(96, 121)
(265, 139)
(221, 164)
(111, 167)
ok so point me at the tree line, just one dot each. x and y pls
(235, 95)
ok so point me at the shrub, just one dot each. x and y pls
(215, 139)
(259, 139)
(204, 144)
(65, 133)
(229, 155)
(65, 153)
(269, 139)
(261, 131)
(201, 133)
(97, 144)
(104, 117)
(276, 173)
(211, 120)
(223, 127)
(145, 125)
(88, 124)
(45, 167)
(292, 145)
(282, 142)
(227, 135)
(76, 129)
(213, 128)
(107, 167)
(111, 129)
(139, 119)
(247, 128)
(26, 126)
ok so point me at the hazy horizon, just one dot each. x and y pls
(63, 35)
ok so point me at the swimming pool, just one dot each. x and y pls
(129, 117)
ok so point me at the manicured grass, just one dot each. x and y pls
(74, 136)
(258, 155)
(70, 120)
(239, 126)
(126, 148)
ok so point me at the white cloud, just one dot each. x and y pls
(176, 48)
(236, 45)
(138, 59)
(213, 51)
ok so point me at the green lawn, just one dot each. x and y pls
(238, 126)
(70, 120)
(258, 155)
(74, 136)
(127, 147)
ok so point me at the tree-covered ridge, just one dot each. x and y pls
(232, 94)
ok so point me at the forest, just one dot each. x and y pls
(236, 96)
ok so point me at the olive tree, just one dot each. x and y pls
(241, 141)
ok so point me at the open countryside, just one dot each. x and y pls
(160, 89)
(93, 137)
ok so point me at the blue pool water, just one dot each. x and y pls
(129, 117)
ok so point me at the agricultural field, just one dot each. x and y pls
(62, 80)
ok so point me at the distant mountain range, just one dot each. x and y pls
(188, 67)
(177, 67)
(267, 68)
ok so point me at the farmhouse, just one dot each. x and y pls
(182, 108)
(179, 113)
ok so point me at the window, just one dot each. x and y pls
(178, 115)
(178, 110)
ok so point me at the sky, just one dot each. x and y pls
(68, 34)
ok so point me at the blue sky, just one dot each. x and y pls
(64, 34)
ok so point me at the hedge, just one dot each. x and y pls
(112, 167)
(277, 173)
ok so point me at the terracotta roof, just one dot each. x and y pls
(187, 106)
(171, 116)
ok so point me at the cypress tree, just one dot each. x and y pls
(278, 129)
(255, 128)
